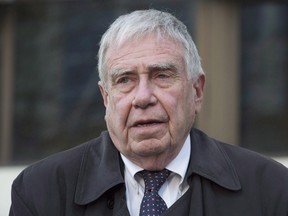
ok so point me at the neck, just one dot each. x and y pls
(155, 162)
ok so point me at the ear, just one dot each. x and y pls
(198, 86)
(103, 93)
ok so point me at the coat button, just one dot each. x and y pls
(110, 203)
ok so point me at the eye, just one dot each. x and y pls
(162, 76)
(123, 80)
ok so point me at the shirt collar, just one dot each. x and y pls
(131, 167)
(180, 164)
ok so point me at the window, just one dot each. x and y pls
(265, 78)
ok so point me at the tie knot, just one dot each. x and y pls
(154, 179)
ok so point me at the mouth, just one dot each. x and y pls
(147, 123)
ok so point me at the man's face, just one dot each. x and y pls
(150, 103)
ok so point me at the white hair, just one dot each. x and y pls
(149, 22)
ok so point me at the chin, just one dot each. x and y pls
(150, 148)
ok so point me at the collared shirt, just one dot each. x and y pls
(172, 189)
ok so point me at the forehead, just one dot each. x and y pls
(148, 50)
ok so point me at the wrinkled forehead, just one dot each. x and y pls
(135, 41)
(137, 36)
(149, 45)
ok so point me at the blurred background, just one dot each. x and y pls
(49, 97)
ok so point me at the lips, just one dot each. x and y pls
(147, 123)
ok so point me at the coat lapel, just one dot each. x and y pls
(100, 170)
(210, 161)
(120, 207)
(117, 204)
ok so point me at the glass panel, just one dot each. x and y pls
(265, 78)
(1, 66)
(57, 102)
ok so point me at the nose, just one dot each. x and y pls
(144, 95)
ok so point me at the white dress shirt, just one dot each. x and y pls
(172, 189)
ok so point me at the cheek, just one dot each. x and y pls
(117, 110)
(172, 104)
(181, 109)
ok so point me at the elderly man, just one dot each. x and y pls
(151, 161)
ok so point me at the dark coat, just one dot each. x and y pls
(88, 180)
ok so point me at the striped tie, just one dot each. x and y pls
(152, 204)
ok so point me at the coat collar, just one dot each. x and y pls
(102, 168)
(210, 160)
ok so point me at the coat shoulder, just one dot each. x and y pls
(248, 160)
(55, 171)
(258, 171)
(244, 159)
(264, 181)
(68, 160)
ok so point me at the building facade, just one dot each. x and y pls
(49, 94)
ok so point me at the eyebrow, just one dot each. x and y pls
(153, 68)
(119, 72)
(162, 67)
